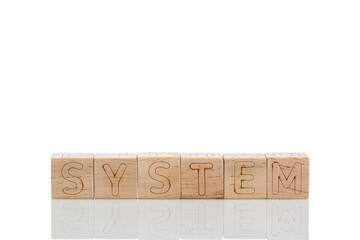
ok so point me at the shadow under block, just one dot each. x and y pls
(72, 175)
(115, 175)
(159, 175)
(202, 175)
(287, 176)
(245, 176)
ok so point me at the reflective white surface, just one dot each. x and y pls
(184, 76)
(175, 219)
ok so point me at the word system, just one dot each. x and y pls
(175, 176)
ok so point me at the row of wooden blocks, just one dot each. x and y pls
(173, 175)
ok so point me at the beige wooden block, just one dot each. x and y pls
(245, 175)
(202, 175)
(72, 175)
(287, 175)
(115, 175)
(159, 175)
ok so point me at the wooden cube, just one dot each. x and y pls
(159, 175)
(72, 175)
(202, 175)
(245, 175)
(115, 175)
(287, 175)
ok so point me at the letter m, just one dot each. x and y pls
(289, 177)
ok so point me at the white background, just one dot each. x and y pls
(185, 76)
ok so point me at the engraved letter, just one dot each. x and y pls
(292, 181)
(115, 177)
(240, 177)
(153, 173)
(65, 172)
(201, 167)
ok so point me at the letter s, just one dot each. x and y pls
(65, 172)
(153, 173)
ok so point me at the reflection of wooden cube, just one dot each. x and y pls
(72, 175)
(159, 175)
(288, 219)
(115, 175)
(201, 219)
(202, 175)
(245, 175)
(245, 219)
(115, 219)
(287, 175)
(159, 220)
(72, 219)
